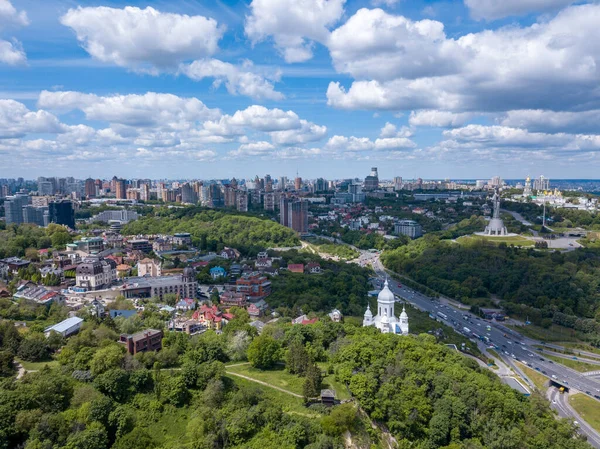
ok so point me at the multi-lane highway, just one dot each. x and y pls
(509, 344)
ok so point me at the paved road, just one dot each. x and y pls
(508, 343)
(560, 402)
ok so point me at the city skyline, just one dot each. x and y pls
(212, 90)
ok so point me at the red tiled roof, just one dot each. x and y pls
(296, 267)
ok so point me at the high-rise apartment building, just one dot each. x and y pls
(120, 189)
(90, 188)
(298, 216)
(13, 207)
(541, 183)
(269, 200)
(398, 183)
(35, 215)
(284, 206)
(242, 201)
(298, 183)
(282, 184)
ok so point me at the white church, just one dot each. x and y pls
(386, 320)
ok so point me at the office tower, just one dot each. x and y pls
(298, 216)
(121, 189)
(372, 181)
(13, 207)
(61, 212)
(268, 179)
(298, 183)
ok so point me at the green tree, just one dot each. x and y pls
(34, 348)
(263, 352)
(93, 437)
(107, 358)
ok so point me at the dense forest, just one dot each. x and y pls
(431, 397)
(545, 286)
(340, 285)
(26, 239)
(96, 396)
(211, 229)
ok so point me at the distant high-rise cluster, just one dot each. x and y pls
(541, 184)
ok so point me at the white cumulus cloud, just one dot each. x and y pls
(143, 39)
(293, 24)
(238, 80)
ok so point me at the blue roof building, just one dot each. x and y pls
(217, 272)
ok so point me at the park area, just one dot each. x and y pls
(587, 408)
(281, 380)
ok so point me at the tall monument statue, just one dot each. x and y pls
(496, 225)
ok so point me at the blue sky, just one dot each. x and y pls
(198, 89)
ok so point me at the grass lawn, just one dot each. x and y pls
(290, 404)
(577, 365)
(516, 240)
(554, 333)
(574, 347)
(277, 377)
(170, 429)
(36, 366)
(588, 409)
(539, 380)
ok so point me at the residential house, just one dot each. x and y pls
(144, 341)
(230, 298)
(217, 272)
(12, 265)
(258, 325)
(161, 244)
(335, 315)
(296, 267)
(303, 319)
(186, 325)
(56, 271)
(254, 310)
(229, 253)
(186, 304)
(97, 308)
(123, 270)
(149, 267)
(313, 268)
(209, 316)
